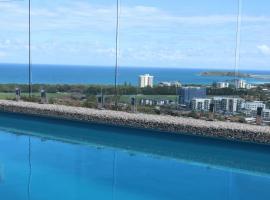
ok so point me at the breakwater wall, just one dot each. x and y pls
(170, 124)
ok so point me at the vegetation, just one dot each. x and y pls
(255, 94)
(89, 89)
(225, 92)
(86, 96)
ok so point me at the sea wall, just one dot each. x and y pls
(170, 124)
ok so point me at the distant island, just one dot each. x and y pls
(230, 74)
(239, 75)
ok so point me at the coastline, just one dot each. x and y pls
(176, 125)
(104, 75)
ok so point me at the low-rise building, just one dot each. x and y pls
(201, 104)
(253, 105)
(154, 102)
(249, 86)
(164, 84)
(250, 120)
(222, 84)
(176, 84)
(266, 114)
(170, 84)
(253, 114)
(221, 104)
(227, 104)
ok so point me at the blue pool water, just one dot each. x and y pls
(42, 158)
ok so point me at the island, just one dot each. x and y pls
(233, 74)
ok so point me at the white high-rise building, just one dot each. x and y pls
(146, 80)
(240, 84)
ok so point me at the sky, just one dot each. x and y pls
(156, 33)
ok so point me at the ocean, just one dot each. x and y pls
(61, 74)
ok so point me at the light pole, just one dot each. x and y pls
(29, 51)
(237, 41)
(116, 55)
(176, 99)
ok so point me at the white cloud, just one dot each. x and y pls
(74, 15)
(2, 54)
(72, 27)
(264, 49)
(150, 54)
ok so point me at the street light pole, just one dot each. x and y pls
(116, 55)
(29, 51)
(237, 43)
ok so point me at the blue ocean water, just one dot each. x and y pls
(14, 73)
(42, 158)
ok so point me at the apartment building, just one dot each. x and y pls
(227, 104)
(222, 84)
(201, 104)
(187, 94)
(253, 105)
(146, 80)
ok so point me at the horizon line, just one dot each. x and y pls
(132, 66)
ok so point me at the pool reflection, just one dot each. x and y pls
(51, 159)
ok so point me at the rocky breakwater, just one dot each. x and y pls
(170, 124)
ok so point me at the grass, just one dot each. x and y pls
(7, 95)
(126, 98)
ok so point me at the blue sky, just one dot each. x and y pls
(158, 33)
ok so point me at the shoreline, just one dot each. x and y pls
(176, 125)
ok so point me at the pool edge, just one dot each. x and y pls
(175, 125)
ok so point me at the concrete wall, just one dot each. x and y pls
(175, 125)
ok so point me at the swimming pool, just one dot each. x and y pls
(43, 158)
